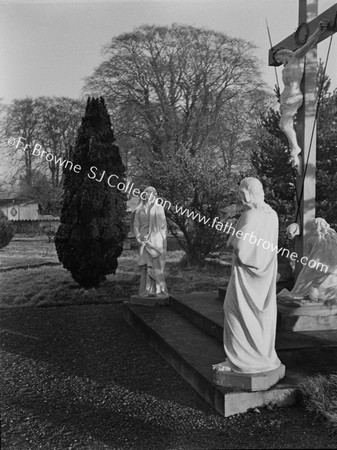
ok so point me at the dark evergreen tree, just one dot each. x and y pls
(6, 230)
(90, 237)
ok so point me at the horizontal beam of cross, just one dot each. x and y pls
(289, 42)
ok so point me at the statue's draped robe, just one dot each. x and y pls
(250, 308)
(151, 224)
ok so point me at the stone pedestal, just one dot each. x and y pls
(149, 301)
(249, 381)
(302, 315)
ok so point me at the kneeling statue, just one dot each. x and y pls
(317, 280)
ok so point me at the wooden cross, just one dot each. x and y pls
(306, 124)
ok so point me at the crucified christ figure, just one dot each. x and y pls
(291, 98)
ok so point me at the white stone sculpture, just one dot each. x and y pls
(317, 280)
(250, 303)
(148, 223)
(291, 98)
(293, 230)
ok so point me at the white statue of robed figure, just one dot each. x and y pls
(317, 280)
(148, 224)
(250, 307)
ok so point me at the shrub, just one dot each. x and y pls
(319, 395)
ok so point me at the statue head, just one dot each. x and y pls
(293, 230)
(320, 226)
(282, 55)
(150, 194)
(147, 197)
(251, 192)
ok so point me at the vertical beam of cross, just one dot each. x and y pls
(306, 137)
(306, 123)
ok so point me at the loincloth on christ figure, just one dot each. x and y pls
(291, 101)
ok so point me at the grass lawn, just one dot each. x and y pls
(52, 286)
(26, 252)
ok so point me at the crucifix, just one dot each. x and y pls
(303, 144)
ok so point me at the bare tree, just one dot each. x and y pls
(50, 122)
(184, 98)
(175, 82)
(23, 120)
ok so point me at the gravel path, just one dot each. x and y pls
(80, 378)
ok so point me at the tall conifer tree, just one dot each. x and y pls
(90, 237)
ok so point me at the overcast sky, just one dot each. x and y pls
(48, 47)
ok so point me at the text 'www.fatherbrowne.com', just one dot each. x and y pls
(252, 239)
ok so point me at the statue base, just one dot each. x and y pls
(249, 381)
(150, 300)
(306, 315)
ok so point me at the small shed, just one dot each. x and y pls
(16, 207)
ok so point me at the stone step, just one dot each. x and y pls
(204, 311)
(306, 317)
(201, 309)
(191, 352)
(288, 284)
(221, 293)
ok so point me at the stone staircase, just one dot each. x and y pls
(188, 335)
